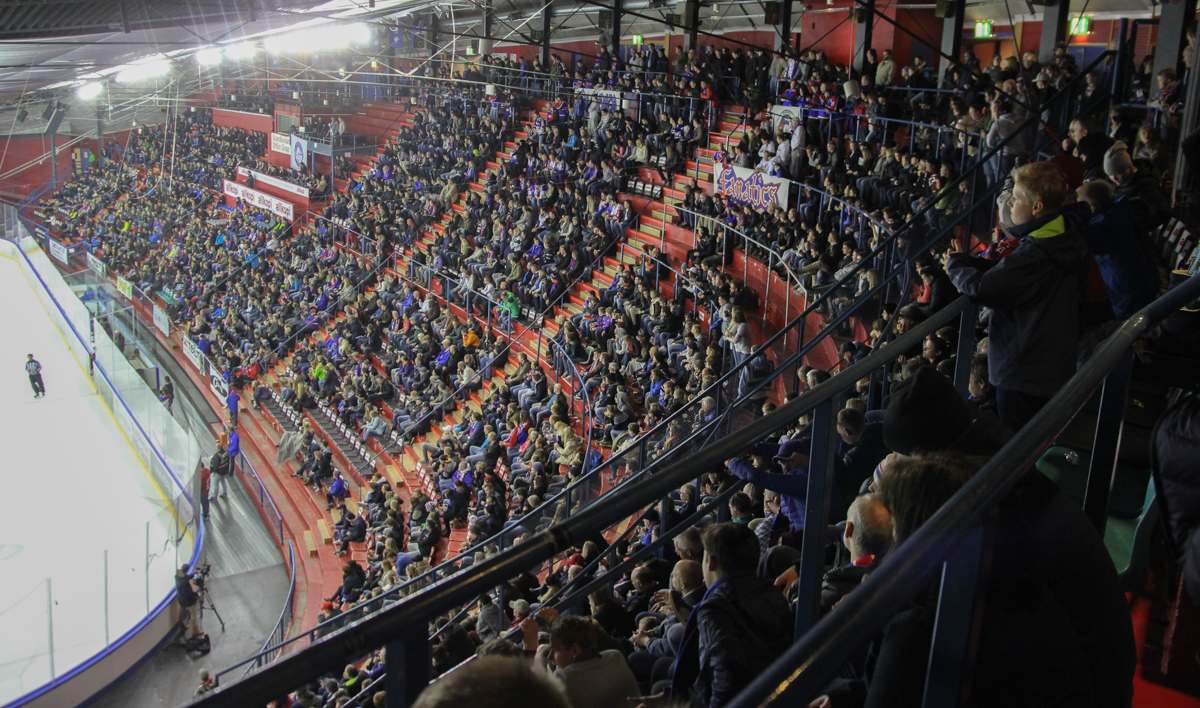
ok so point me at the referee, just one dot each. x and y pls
(34, 369)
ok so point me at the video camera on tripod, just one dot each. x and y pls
(199, 577)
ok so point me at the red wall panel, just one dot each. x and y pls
(18, 153)
(261, 122)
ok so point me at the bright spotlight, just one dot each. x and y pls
(209, 56)
(241, 50)
(89, 90)
(144, 70)
(319, 38)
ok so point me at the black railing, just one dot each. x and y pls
(403, 626)
(952, 540)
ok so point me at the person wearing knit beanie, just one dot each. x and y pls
(925, 414)
(1118, 165)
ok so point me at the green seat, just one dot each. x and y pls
(1128, 541)
(1125, 497)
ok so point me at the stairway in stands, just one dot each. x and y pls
(402, 467)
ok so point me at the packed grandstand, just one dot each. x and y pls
(547, 289)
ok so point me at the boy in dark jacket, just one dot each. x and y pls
(742, 624)
(1034, 294)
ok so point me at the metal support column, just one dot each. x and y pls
(434, 27)
(1117, 89)
(783, 31)
(1054, 28)
(485, 44)
(864, 21)
(690, 17)
(1172, 37)
(959, 617)
(816, 517)
(1189, 122)
(54, 160)
(1109, 424)
(544, 52)
(99, 135)
(407, 665)
(616, 26)
(952, 31)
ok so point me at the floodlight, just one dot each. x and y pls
(144, 70)
(89, 90)
(209, 56)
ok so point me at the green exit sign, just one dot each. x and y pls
(637, 39)
(983, 30)
(1081, 25)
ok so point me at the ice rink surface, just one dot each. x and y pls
(73, 488)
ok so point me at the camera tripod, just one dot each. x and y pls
(206, 602)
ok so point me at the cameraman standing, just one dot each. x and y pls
(189, 601)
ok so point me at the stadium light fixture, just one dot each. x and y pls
(320, 38)
(90, 90)
(143, 70)
(241, 50)
(209, 56)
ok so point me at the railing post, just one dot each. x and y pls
(959, 616)
(966, 348)
(407, 666)
(816, 517)
(1109, 425)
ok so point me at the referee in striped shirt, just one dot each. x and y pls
(34, 369)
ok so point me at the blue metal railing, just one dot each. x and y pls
(264, 499)
(279, 633)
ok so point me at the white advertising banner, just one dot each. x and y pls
(256, 198)
(162, 321)
(747, 186)
(299, 152)
(193, 353)
(218, 384)
(281, 142)
(59, 252)
(125, 287)
(97, 266)
(275, 182)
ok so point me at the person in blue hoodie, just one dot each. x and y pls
(1112, 235)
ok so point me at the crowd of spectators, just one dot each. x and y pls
(699, 620)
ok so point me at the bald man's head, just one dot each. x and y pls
(643, 578)
(868, 527)
(687, 576)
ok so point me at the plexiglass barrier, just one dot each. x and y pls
(69, 620)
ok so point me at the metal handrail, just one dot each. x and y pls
(399, 620)
(807, 667)
(530, 552)
(285, 615)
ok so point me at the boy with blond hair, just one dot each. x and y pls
(1034, 294)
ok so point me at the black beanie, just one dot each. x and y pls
(925, 414)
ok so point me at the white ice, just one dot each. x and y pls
(72, 488)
